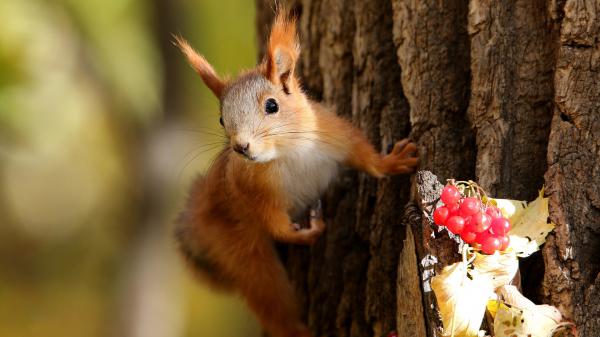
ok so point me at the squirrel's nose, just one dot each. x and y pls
(241, 148)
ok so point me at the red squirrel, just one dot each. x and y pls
(283, 152)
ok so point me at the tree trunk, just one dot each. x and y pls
(502, 92)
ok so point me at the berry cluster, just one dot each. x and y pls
(466, 216)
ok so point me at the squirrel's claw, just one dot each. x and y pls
(402, 159)
(316, 210)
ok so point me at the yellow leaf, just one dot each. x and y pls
(533, 226)
(500, 268)
(507, 322)
(518, 316)
(529, 223)
(511, 209)
(492, 307)
(523, 246)
(462, 301)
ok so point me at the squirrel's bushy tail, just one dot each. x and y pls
(263, 283)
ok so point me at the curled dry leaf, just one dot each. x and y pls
(508, 322)
(515, 315)
(529, 222)
(462, 301)
(511, 295)
(492, 307)
(500, 268)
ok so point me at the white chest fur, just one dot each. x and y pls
(305, 174)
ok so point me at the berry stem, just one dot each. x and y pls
(465, 263)
(471, 187)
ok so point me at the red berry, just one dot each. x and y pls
(504, 242)
(453, 209)
(469, 224)
(467, 236)
(500, 226)
(481, 222)
(455, 224)
(450, 195)
(494, 212)
(469, 206)
(490, 245)
(392, 334)
(440, 215)
(481, 237)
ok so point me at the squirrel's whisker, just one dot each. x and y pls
(210, 147)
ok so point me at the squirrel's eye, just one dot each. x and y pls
(271, 106)
(221, 121)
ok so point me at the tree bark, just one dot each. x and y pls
(502, 92)
(572, 254)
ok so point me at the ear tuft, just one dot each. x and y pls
(202, 67)
(283, 50)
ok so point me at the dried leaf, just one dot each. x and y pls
(492, 307)
(517, 315)
(522, 246)
(500, 268)
(529, 223)
(511, 295)
(511, 209)
(508, 321)
(462, 301)
(532, 225)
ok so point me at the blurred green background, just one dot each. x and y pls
(102, 128)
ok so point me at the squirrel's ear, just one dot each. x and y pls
(282, 51)
(202, 67)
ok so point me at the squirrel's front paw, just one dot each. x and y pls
(403, 158)
(316, 225)
(309, 236)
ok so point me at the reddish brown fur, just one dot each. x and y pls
(283, 49)
(360, 153)
(202, 67)
(240, 206)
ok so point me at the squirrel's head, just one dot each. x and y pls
(263, 111)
